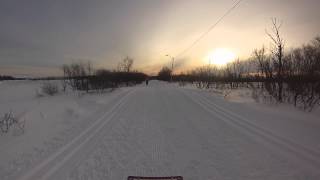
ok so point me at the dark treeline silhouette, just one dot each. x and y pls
(111, 79)
(4, 77)
(81, 76)
(164, 74)
(287, 76)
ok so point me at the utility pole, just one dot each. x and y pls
(172, 65)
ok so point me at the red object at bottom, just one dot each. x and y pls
(155, 178)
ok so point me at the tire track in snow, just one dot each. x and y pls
(183, 152)
(238, 121)
(50, 165)
(205, 157)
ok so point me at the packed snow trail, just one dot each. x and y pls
(164, 130)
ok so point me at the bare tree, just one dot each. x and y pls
(278, 54)
(88, 75)
(64, 80)
(125, 65)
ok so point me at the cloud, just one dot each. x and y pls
(43, 33)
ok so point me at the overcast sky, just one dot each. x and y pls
(38, 36)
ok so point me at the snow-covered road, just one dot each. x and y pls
(164, 130)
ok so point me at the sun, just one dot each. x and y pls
(221, 56)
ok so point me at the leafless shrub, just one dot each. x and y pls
(49, 88)
(8, 121)
(77, 75)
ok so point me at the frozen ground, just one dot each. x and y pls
(159, 130)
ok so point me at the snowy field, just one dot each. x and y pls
(159, 130)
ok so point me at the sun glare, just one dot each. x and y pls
(221, 56)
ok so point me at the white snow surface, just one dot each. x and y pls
(155, 130)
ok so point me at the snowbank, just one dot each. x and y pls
(50, 120)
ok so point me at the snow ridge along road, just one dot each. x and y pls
(50, 165)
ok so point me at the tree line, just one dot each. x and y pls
(291, 76)
(4, 77)
(82, 76)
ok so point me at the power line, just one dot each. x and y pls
(210, 29)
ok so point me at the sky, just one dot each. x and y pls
(38, 36)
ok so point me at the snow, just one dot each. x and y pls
(156, 130)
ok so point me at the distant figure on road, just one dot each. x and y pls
(147, 82)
